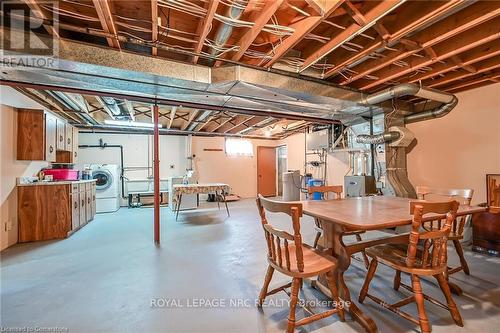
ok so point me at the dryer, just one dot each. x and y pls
(107, 178)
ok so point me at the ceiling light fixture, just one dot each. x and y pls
(129, 123)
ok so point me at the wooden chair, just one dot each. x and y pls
(337, 191)
(288, 255)
(425, 255)
(457, 228)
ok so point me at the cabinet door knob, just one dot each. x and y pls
(88, 200)
(51, 149)
(83, 203)
(76, 205)
(61, 138)
(76, 154)
(69, 141)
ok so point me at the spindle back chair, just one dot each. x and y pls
(287, 254)
(425, 255)
(457, 227)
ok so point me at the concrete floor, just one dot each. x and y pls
(105, 278)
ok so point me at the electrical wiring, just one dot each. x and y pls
(67, 13)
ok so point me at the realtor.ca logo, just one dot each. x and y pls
(29, 35)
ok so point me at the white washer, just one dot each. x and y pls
(107, 178)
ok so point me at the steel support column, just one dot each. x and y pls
(156, 175)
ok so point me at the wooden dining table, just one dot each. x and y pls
(363, 213)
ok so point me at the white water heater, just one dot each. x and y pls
(291, 185)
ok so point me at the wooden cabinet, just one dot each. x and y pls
(52, 211)
(61, 135)
(68, 133)
(74, 149)
(42, 136)
(50, 137)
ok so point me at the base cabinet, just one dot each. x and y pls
(53, 211)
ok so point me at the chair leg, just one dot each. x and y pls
(369, 276)
(267, 280)
(425, 326)
(460, 252)
(330, 279)
(363, 253)
(397, 280)
(316, 240)
(455, 314)
(293, 303)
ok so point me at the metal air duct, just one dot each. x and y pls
(224, 32)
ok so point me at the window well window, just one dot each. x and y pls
(239, 147)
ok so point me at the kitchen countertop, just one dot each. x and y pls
(59, 182)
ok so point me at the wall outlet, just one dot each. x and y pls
(8, 225)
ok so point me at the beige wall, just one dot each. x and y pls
(215, 166)
(458, 150)
(10, 167)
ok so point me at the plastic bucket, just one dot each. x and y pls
(316, 182)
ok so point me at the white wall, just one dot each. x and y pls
(458, 150)
(137, 153)
(10, 167)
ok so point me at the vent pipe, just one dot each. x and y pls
(408, 89)
(224, 32)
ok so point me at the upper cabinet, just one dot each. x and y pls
(43, 137)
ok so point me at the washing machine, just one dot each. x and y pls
(107, 178)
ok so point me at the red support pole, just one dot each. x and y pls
(156, 175)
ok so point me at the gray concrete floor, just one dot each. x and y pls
(105, 278)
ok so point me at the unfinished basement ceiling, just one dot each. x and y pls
(368, 45)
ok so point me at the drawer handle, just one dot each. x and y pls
(88, 200)
(61, 138)
(83, 203)
(76, 205)
(51, 149)
(69, 141)
(76, 153)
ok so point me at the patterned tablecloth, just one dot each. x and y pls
(203, 188)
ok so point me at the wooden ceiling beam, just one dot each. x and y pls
(468, 58)
(372, 16)
(462, 21)
(493, 77)
(216, 125)
(235, 122)
(204, 28)
(40, 13)
(481, 34)
(172, 116)
(154, 25)
(347, 58)
(260, 20)
(247, 124)
(482, 67)
(191, 117)
(301, 29)
(107, 22)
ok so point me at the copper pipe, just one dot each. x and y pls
(156, 175)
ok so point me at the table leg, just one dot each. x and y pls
(217, 199)
(179, 197)
(333, 241)
(225, 202)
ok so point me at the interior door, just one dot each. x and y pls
(266, 171)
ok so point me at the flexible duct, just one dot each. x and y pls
(377, 138)
(225, 30)
(407, 89)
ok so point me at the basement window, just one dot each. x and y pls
(239, 147)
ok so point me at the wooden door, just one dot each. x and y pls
(266, 171)
(50, 137)
(74, 149)
(68, 129)
(75, 206)
(61, 135)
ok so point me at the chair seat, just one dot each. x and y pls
(315, 262)
(394, 255)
